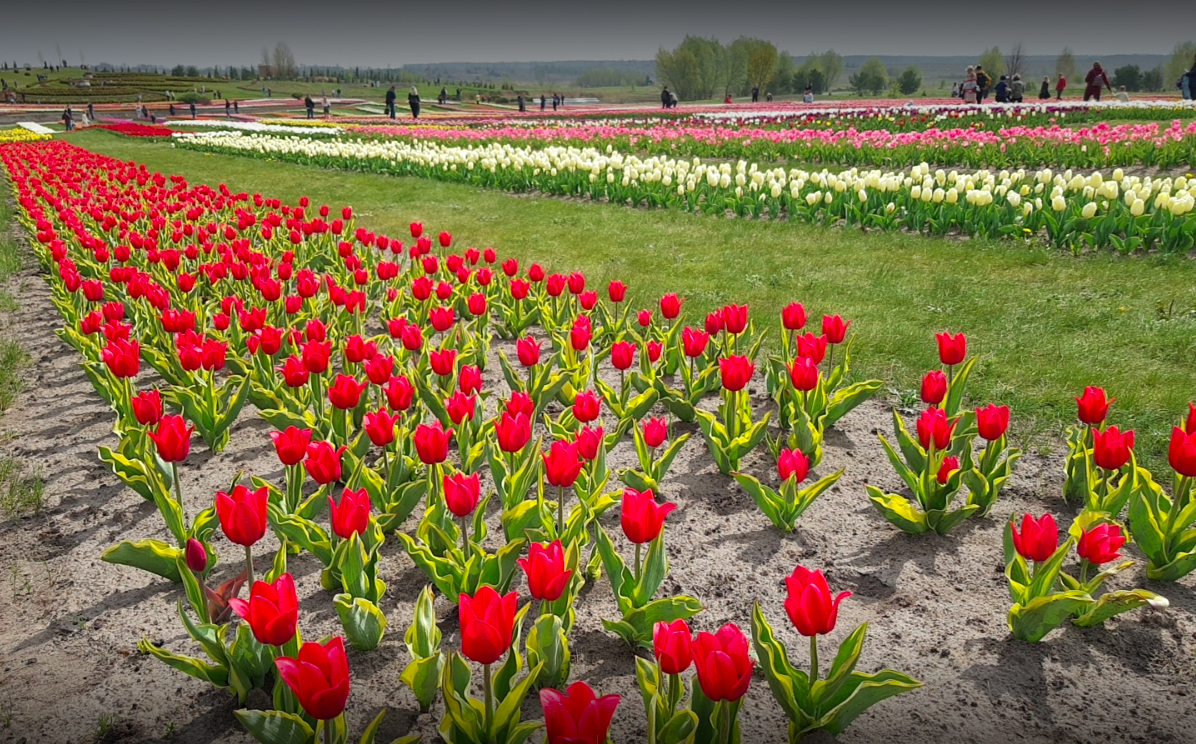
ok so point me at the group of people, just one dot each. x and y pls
(978, 84)
(558, 101)
(412, 101)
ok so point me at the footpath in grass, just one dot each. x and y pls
(1045, 324)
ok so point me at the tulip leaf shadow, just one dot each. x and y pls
(121, 600)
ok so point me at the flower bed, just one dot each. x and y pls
(367, 358)
(1123, 212)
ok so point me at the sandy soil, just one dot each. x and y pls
(69, 623)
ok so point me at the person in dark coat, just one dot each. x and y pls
(228, 109)
(1094, 81)
(543, 101)
(1044, 93)
(91, 111)
(665, 97)
(390, 102)
(522, 104)
(755, 94)
(310, 105)
(413, 102)
(192, 109)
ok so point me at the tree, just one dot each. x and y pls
(871, 79)
(784, 74)
(909, 81)
(1152, 80)
(1129, 76)
(192, 71)
(178, 71)
(1015, 61)
(831, 65)
(732, 66)
(1181, 60)
(690, 70)
(993, 63)
(761, 62)
(1065, 65)
(284, 62)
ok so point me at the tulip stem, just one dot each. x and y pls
(249, 566)
(178, 492)
(560, 511)
(1084, 564)
(724, 722)
(488, 698)
(830, 359)
(814, 658)
(464, 538)
(637, 563)
(328, 732)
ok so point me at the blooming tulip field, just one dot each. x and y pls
(310, 482)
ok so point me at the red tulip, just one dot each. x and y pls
(616, 290)
(992, 421)
(460, 407)
(173, 438)
(510, 267)
(399, 393)
(1092, 406)
(315, 356)
(213, 354)
(431, 443)
(644, 318)
(810, 606)
(642, 518)
(672, 644)
(319, 677)
(804, 374)
(1100, 544)
(580, 335)
(417, 229)
(461, 493)
(445, 240)
(242, 514)
(952, 349)
(587, 406)
(442, 318)
(443, 362)
(487, 621)
(345, 392)
(724, 668)
(323, 462)
(294, 373)
(933, 428)
(793, 464)
(123, 358)
(588, 442)
(834, 328)
(379, 369)
(654, 350)
(670, 306)
(519, 289)
(577, 283)
(521, 403)
(352, 515)
(358, 350)
(562, 464)
(1190, 424)
(714, 323)
(513, 432)
(587, 300)
(147, 407)
(272, 610)
(693, 342)
(577, 716)
(622, 355)
(793, 316)
(1112, 448)
(1038, 538)
(949, 466)
(535, 272)
(380, 427)
(812, 347)
(476, 304)
(528, 350)
(547, 576)
(736, 372)
(196, 556)
(735, 318)
(934, 387)
(291, 444)
(655, 431)
(413, 338)
(1182, 452)
(469, 379)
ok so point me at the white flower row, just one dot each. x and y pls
(252, 126)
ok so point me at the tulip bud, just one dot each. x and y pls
(197, 557)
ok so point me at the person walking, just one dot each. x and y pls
(955, 90)
(522, 104)
(665, 97)
(192, 109)
(310, 105)
(390, 102)
(236, 106)
(968, 89)
(172, 109)
(68, 119)
(1094, 80)
(1017, 90)
(327, 108)
(1188, 81)
(91, 111)
(1060, 86)
(413, 102)
(983, 81)
(543, 101)
(673, 100)
(555, 101)
(228, 109)
(1002, 90)
(755, 94)
(1044, 93)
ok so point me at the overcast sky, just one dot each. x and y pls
(370, 33)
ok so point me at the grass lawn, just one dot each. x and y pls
(1045, 324)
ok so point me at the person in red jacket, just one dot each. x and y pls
(1093, 81)
(1060, 87)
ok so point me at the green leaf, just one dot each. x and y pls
(865, 690)
(943, 522)
(846, 399)
(898, 510)
(548, 644)
(1115, 603)
(790, 687)
(422, 676)
(363, 622)
(1033, 620)
(149, 555)
(769, 501)
(213, 675)
(639, 623)
(843, 665)
(275, 727)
